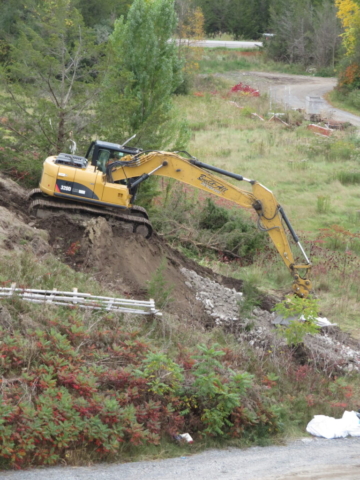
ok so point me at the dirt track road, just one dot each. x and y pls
(307, 459)
(292, 90)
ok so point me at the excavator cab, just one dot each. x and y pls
(100, 153)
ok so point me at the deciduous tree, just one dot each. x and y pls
(349, 13)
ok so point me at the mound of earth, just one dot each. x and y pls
(15, 226)
(126, 263)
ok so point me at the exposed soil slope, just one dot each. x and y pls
(118, 259)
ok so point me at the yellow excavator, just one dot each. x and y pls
(105, 182)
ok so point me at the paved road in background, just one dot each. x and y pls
(224, 44)
(292, 90)
(307, 459)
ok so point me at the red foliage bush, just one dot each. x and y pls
(245, 90)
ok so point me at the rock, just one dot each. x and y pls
(5, 317)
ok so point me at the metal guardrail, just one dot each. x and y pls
(81, 300)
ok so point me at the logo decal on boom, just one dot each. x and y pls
(212, 184)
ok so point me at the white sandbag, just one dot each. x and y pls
(329, 427)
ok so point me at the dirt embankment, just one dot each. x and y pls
(122, 261)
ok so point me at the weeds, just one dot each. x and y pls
(348, 177)
(323, 204)
(157, 287)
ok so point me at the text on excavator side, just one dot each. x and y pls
(212, 184)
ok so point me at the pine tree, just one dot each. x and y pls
(143, 72)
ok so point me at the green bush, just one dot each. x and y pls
(238, 234)
(353, 98)
(213, 217)
(305, 308)
(158, 288)
(93, 389)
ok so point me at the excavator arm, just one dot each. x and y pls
(271, 216)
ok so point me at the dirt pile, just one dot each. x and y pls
(16, 230)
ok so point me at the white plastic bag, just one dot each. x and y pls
(329, 427)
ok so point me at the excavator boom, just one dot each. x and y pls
(193, 172)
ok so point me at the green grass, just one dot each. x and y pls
(344, 102)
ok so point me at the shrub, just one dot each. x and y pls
(306, 311)
(212, 216)
(162, 374)
(235, 232)
(158, 288)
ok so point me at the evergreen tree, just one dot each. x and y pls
(11, 13)
(216, 15)
(49, 81)
(240, 18)
(143, 72)
(97, 13)
(248, 19)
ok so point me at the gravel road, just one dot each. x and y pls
(292, 90)
(305, 459)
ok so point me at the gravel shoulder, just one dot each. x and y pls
(308, 458)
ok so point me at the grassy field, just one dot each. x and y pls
(316, 179)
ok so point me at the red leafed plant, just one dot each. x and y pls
(245, 90)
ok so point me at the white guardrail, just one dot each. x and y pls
(81, 300)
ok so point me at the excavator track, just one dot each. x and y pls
(138, 216)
